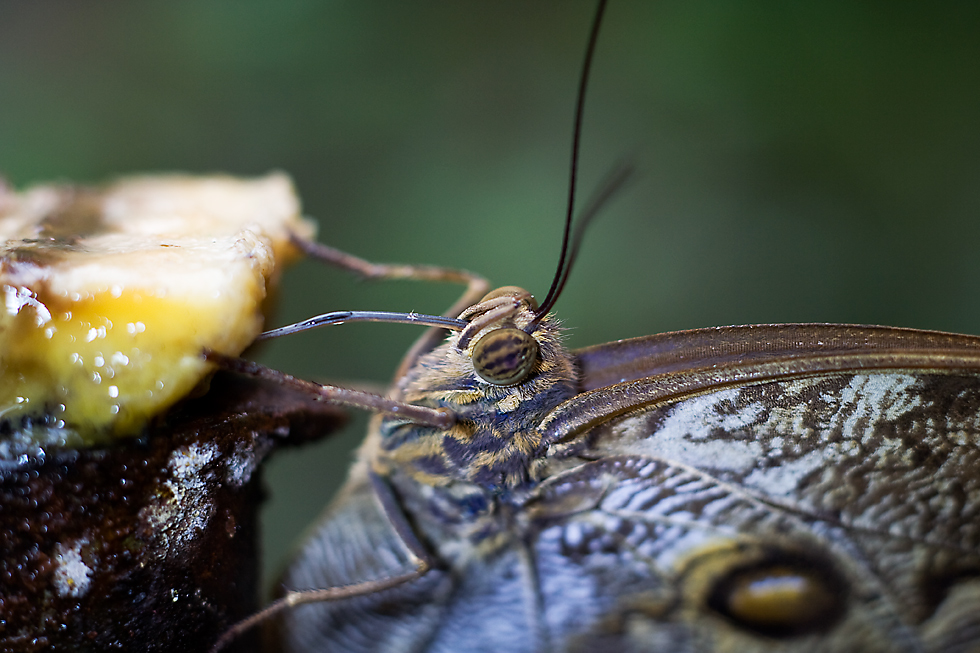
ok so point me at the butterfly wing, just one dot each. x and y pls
(481, 606)
(854, 495)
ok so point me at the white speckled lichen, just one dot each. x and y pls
(71, 576)
(183, 506)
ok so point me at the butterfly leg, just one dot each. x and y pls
(399, 528)
(439, 418)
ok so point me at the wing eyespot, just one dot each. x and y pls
(505, 356)
(780, 598)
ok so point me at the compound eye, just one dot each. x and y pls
(505, 356)
(780, 599)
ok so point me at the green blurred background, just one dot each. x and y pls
(797, 161)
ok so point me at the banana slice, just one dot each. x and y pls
(111, 293)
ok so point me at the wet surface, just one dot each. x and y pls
(150, 544)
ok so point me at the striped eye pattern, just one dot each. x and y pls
(505, 356)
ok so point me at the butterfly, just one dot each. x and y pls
(771, 487)
(794, 165)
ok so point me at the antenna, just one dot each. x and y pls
(563, 258)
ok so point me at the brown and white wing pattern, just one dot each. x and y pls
(685, 527)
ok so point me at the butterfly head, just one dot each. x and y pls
(499, 375)
(507, 351)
